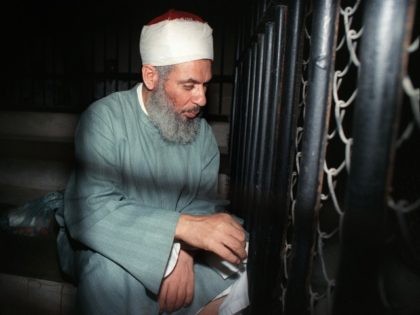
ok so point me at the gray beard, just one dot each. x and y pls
(171, 125)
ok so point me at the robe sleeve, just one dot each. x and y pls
(98, 214)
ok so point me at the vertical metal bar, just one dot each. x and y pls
(322, 57)
(256, 113)
(53, 68)
(93, 82)
(262, 132)
(253, 18)
(117, 57)
(275, 77)
(241, 134)
(256, 255)
(248, 125)
(45, 74)
(265, 244)
(104, 61)
(241, 119)
(286, 121)
(237, 136)
(239, 83)
(274, 219)
(254, 121)
(129, 57)
(222, 65)
(263, 5)
(238, 86)
(234, 128)
(386, 34)
(289, 59)
(243, 139)
(246, 142)
(288, 111)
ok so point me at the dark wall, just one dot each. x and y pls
(62, 55)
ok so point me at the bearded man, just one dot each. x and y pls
(141, 204)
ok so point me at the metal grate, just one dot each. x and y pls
(337, 237)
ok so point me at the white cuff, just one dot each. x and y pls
(176, 247)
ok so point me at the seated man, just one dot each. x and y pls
(144, 187)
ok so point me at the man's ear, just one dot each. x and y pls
(150, 76)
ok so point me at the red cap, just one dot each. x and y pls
(175, 14)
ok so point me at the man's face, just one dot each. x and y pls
(175, 103)
(186, 87)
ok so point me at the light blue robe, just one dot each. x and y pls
(122, 204)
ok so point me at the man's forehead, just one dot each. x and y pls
(197, 71)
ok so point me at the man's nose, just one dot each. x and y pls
(199, 96)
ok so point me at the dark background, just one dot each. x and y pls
(61, 55)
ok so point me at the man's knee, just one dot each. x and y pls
(106, 288)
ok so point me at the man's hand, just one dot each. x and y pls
(219, 233)
(177, 289)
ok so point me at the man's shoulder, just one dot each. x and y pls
(111, 109)
(111, 104)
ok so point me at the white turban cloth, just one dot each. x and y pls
(175, 39)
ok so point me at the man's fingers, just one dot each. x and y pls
(238, 234)
(225, 253)
(180, 301)
(237, 231)
(170, 301)
(162, 298)
(167, 299)
(189, 295)
(236, 224)
(236, 240)
(237, 247)
(225, 217)
(227, 239)
(170, 304)
(220, 233)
